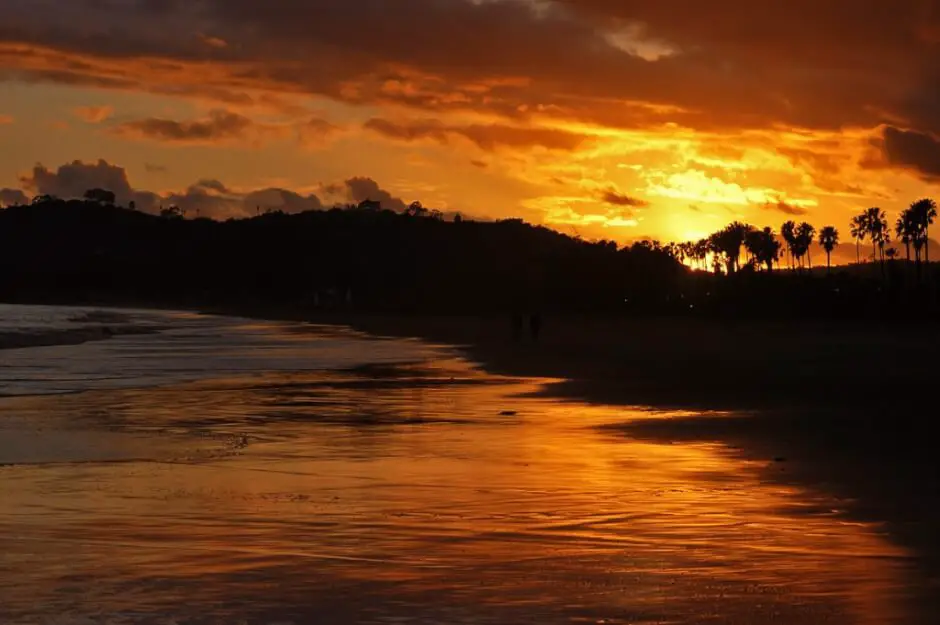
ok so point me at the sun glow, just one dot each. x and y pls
(696, 186)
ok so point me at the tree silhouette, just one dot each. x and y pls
(75, 251)
(905, 229)
(769, 248)
(924, 212)
(102, 196)
(83, 249)
(416, 209)
(701, 250)
(876, 227)
(805, 234)
(727, 243)
(829, 239)
(788, 232)
(884, 237)
(172, 212)
(752, 244)
(858, 231)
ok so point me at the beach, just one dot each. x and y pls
(233, 470)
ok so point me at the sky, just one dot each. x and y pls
(614, 119)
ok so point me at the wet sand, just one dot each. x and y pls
(414, 494)
(843, 409)
(442, 493)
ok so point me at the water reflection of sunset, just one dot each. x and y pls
(289, 495)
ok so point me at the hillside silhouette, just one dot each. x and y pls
(369, 259)
(360, 256)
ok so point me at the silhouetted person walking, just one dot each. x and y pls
(535, 326)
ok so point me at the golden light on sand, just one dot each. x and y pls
(500, 510)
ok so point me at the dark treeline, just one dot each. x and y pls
(362, 257)
(369, 259)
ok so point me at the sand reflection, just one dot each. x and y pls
(424, 494)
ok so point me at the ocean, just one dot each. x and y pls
(170, 468)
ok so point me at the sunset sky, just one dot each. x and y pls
(618, 119)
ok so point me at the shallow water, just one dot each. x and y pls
(275, 491)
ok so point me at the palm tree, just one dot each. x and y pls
(727, 243)
(788, 232)
(906, 230)
(753, 244)
(702, 249)
(884, 237)
(875, 226)
(805, 234)
(737, 233)
(858, 232)
(768, 248)
(924, 211)
(829, 239)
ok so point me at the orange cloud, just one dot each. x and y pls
(6, 119)
(222, 126)
(743, 110)
(218, 127)
(487, 137)
(722, 64)
(615, 198)
(93, 114)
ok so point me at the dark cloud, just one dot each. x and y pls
(786, 208)
(814, 160)
(486, 137)
(616, 198)
(12, 197)
(315, 131)
(222, 126)
(205, 198)
(361, 189)
(281, 199)
(408, 132)
(208, 184)
(73, 179)
(726, 63)
(155, 168)
(907, 149)
(219, 126)
(213, 199)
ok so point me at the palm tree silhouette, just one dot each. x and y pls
(788, 232)
(924, 211)
(702, 249)
(906, 230)
(805, 233)
(727, 243)
(767, 247)
(884, 237)
(829, 239)
(858, 233)
(875, 227)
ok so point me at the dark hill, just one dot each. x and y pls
(77, 251)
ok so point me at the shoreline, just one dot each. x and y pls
(817, 405)
(818, 402)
